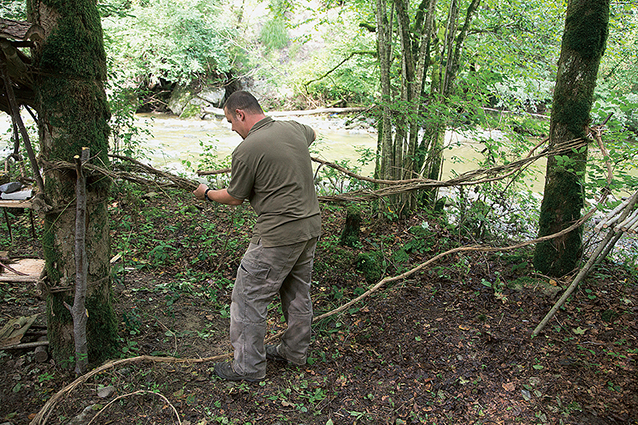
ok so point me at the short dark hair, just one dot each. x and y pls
(242, 100)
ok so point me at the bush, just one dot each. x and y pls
(177, 41)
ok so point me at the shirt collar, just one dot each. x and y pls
(259, 124)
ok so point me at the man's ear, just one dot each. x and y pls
(239, 113)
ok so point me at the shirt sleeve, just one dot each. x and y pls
(307, 131)
(310, 134)
(241, 181)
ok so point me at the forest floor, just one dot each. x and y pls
(448, 345)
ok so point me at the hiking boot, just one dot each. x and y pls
(273, 354)
(225, 371)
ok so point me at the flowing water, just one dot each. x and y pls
(176, 140)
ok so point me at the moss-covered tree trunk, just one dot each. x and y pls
(73, 113)
(584, 39)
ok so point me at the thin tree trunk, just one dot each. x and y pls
(384, 46)
(78, 311)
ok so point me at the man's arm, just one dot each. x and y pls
(218, 195)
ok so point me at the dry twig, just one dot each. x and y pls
(179, 421)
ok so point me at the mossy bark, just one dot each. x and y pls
(73, 113)
(584, 39)
(352, 228)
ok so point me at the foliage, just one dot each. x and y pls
(11, 9)
(127, 134)
(209, 160)
(344, 71)
(175, 41)
(274, 34)
(618, 70)
(513, 50)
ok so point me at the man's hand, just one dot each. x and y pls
(220, 195)
(200, 191)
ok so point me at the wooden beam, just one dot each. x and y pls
(6, 203)
(14, 29)
(32, 268)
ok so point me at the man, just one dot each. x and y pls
(272, 169)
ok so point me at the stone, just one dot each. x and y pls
(104, 392)
(83, 417)
(214, 96)
(10, 187)
(180, 97)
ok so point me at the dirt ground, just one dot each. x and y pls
(448, 345)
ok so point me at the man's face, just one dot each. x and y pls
(238, 122)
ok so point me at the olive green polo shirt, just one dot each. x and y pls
(272, 169)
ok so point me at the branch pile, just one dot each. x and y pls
(132, 170)
(623, 218)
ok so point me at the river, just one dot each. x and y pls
(175, 140)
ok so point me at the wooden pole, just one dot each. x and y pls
(78, 311)
(15, 115)
(603, 248)
(27, 345)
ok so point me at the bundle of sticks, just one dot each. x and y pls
(624, 217)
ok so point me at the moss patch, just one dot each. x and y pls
(371, 265)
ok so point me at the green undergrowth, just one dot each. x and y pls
(195, 248)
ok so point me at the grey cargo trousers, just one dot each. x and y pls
(262, 274)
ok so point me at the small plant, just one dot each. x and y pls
(371, 264)
(45, 377)
(162, 253)
(497, 285)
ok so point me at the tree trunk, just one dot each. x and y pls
(385, 166)
(586, 29)
(73, 113)
(442, 86)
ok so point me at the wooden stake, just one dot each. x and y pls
(78, 311)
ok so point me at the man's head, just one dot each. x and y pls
(243, 111)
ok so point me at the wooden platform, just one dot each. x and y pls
(10, 203)
(11, 334)
(33, 269)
